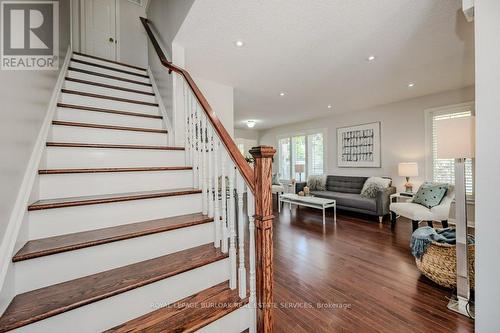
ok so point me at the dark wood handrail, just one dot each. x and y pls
(234, 153)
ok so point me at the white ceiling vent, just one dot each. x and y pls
(468, 8)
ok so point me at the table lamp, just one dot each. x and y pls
(299, 168)
(455, 139)
(408, 169)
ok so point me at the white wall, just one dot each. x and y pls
(402, 133)
(221, 99)
(133, 38)
(24, 96)
(249, 134)
(487, 27)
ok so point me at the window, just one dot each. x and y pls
(443, 170)
(284, 158)
(315, 153)
(301, 155)
(241, 148)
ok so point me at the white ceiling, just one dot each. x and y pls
(316, 50)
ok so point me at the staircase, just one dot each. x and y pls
(127, 232)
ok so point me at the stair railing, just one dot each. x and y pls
(224, 176)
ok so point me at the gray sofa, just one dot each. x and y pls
(346, 190)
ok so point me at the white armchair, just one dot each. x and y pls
(417, 213)
(284, 187)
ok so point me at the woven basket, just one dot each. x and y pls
(439, 264)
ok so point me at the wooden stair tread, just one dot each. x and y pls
(91, 108)
(110, 127)
(109, 198)
(111, 146)
(112, 98)
(109, 68)
(101, 170)
(189, 314)
(57, 244)
(108, 76)
(45, 302)
(111, 61)
(103, 85)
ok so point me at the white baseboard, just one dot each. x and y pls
(16, 218)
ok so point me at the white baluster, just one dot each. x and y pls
(204, 169)
(242, 272)
(195, 143)
(210, 192)
(251, 243)
(232, 230)
(217, 222)
(224, 202)
(187, 113)
(199, 113)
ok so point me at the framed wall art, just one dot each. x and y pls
(359, 146)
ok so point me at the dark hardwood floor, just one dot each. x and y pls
(362, 273)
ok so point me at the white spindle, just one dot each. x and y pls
(242, 272)
(196, 144)
(232, 229)
(251, 243)
(200, 145)
(224, 202)
(210, 173)
(217, 222)
(187, 113)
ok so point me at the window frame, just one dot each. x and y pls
(428, 116)
(306, 134)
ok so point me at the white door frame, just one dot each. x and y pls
(117, 29)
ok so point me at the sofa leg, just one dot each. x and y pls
(414, 224)
(393, 220)
(380, 218)
(429, 223)
(444, 223)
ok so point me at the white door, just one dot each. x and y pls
(100, 28)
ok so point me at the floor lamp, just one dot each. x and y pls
(455, 139)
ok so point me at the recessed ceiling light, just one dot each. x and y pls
(411, 85)
(251, 123)
(282, 94)
(239, 43)
(371, 58)
(329, 106)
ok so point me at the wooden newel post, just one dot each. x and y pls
(263, 156)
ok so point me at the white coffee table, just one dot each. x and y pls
(310, 201)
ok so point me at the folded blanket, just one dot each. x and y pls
(424, 236)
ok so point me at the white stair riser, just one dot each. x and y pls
(96, 69)
(88, 88)
(108, 104)
(82, 184)
(234, 322)
(60, 133)
(62, 157)
(32, 274)
(93, 117)
(60, 221)
(108, 64)
(114, 82)
(123, 307)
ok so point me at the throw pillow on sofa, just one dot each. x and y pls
(316, 183)
(373, 185)
(430, 194)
